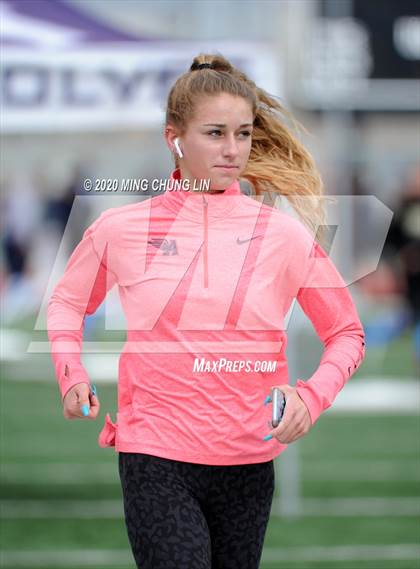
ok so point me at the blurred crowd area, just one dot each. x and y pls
(396, 281)
(33, 227)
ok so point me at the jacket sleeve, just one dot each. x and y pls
(80, 291)
(327, 302)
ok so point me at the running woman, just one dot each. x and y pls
(206, 279)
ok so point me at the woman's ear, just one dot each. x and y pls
(172, 140)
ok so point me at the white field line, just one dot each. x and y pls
(392, 470)
(113, 509)
(73, 473)
(346, 507)
(377, 395)
(108, 558)
(342, 553)
(61, 509)
(67, 558)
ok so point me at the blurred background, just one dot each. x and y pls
(84, 87)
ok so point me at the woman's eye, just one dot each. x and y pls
(246, 133)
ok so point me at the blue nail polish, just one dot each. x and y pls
(85, 410)
(267, 437)
(93, 389)
(267, 400)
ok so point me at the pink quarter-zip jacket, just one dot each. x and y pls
(205, 282)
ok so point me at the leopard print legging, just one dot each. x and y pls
(182, 515)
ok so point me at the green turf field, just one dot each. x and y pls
(61, 500)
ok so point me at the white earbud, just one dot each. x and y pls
(176, 144)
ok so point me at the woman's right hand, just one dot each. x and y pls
(80, 403)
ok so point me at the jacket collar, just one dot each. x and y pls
(191, 203)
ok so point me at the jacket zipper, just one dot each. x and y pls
(205, 252)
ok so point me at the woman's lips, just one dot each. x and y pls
(228, 167)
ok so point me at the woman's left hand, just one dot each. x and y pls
(296, 420)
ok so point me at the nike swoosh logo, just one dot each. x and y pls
(240, 241)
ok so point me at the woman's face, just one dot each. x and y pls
(217, 141)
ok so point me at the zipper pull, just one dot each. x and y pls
(205, 252)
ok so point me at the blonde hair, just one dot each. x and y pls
(278, 163)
